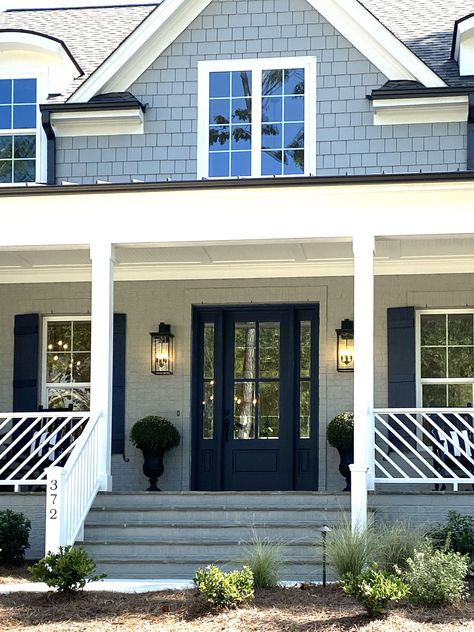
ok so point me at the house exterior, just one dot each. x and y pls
(251, 172)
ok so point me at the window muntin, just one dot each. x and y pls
(257, 117)
(66, 363)
(18, 129)
(446, 358)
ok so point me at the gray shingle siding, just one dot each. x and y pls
(347, 140)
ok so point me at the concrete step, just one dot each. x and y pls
(155, 569)
(171, 535)
(157, 531)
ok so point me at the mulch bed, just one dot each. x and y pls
(309, 608)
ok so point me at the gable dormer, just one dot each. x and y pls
(463, 45)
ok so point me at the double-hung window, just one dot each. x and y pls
(18, 130)
(445, 363)
(257, 117)
(67, 362)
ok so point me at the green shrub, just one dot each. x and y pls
(350, 551)
(459, 530)
(68, 571)
(154, 434)
(435, 577)
(396, 543)
(340, 431)
(374, 589)
(264, 558)
(225, 589)
(14, 534)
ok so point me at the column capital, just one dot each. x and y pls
(363, 243)
(100, 250)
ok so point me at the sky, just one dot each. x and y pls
(43, 4)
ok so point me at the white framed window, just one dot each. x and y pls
(445, 357)
(257, 117)
(66, 361)
(19, 130)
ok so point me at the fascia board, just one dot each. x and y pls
(421, 110)
(98, 123)
(141, 48)
(375, 41)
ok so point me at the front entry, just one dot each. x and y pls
(255, 398)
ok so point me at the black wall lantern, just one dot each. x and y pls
(345, 346)
(162, 350)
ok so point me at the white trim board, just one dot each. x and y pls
(98, 122)
(420, 110)
(170, 19)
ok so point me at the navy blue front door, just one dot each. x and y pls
(255, 397)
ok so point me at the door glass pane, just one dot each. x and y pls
(434, 395)
(305, 409)
(245, 350)
(269, 350)
(269, 410)
(305, 348)
(433, 329)
(244, 410)
(208, 351)
(460, 329)
(459, 395)
(208, 410)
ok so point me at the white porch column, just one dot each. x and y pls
(102, 314)
(362, 471)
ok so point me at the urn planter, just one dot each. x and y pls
(340, 434)
(154, 436)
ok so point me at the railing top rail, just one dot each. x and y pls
(49, 415)
(438, 409)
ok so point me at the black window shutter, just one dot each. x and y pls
(118, 385)
(26, 363)
(401, 364)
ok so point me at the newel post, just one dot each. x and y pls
(362, 470)
(55, 528)
(102, 325)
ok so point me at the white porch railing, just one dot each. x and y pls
(424, 445)
(71, 489)
(31, 442)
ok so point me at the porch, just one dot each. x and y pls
(256, 261)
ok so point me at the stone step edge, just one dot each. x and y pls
(203, 562)
(220, 509)
(207, 525)
(209, 542)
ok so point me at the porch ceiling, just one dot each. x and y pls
(412, 255)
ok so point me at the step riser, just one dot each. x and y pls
(258, 500)
(183, 533)
(120, 570)
(210, 552)
(198, 516)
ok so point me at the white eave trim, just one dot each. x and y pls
(98, 122)
(141, 48)
(171, 18)
(420, 110)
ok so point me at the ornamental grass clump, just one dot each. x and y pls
(436, 577)
(68, 571)
(225, 590)
(264, 558)
(14, 536)
(396, 543)
(350, 550)
(374, 589)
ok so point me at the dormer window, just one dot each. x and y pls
(18, 130)
(257, 117)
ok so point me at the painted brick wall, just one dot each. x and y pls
(149, 302)
(347, 141)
